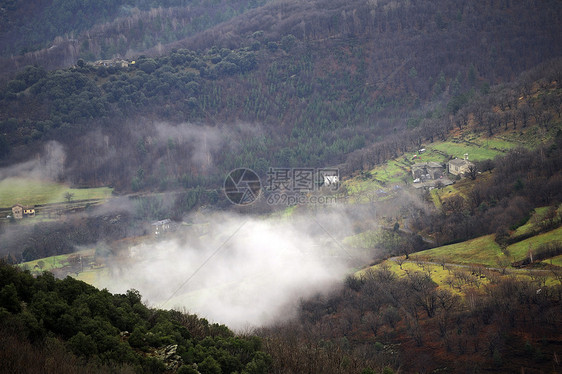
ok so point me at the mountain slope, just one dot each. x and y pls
(294, 101)
(31, 25)
(512, 35)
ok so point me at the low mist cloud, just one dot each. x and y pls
(203, 140)
(47, 164)
(240, 271)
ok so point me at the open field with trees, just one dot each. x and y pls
(28, 191)
(55, 262)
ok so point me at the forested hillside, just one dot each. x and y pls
(408, 323)
(323, 80)
(67, 326)
(112, 26)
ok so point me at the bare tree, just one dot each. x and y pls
(454, 204)
(472, 171)
(524, 113)
(503, 263)
(462, 118)
(400, 260)
(68, 196)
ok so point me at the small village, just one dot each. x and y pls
(434, 174)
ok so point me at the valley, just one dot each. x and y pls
(209, 186)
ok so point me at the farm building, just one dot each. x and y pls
(28, 211)
(460, 167)
(19, 211)
(160, 227)
(427, 170)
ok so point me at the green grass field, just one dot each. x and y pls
(391, 172)
(483, 250)
(557, 261)
(428, 156)
(364, 240)
(54, 262)
(520, 250)
(495, 144)
(370, 185)
(475, 152)
(95, 277)
(37, 192)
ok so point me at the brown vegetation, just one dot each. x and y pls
(410, 324)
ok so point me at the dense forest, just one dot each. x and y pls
(108, 109)
(33, 25)
(67, 326)
(310, 97)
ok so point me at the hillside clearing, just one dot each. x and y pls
(27, 191)
(476, 152)
(483, 250)
(556, 261)
(436, 272)
(521, 249)
(55, 262)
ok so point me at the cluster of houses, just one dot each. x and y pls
(424, 171)
(430, 172)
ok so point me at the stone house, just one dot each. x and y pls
(427, 171)
(19, 211)
(460, 166)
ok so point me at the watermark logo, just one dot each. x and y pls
(301, 179)
(242, 186)
(283, 186)
(281, 198)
